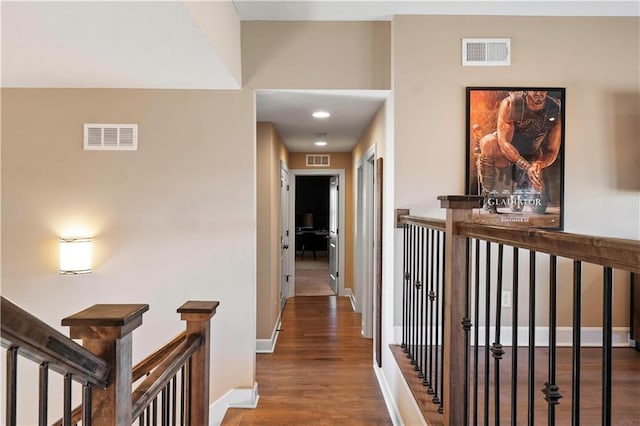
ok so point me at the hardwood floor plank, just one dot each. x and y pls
(321, 372)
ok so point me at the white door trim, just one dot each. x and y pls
(341, 219)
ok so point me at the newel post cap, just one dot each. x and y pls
(105, 321)
(198, 310)
(460, 202)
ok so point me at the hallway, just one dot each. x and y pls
(320, 373)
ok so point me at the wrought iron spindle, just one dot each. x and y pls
(437, 296)
(174, 388)
(551, 390)
(405, 233)
(514, 339)
(414, 269)
(154, 411)
(496, 347)
(425, 305)
(432, 297)
(476, 333)
(607, 325)
(577, 342)
(441, 292)
(141, 419)
(165, 405)
(183, 393)
(66, 416)
(427, 291)
(43, 391)
(419, 303)
(487, 329)
(12, 385)
(532, 336)
(466, 324)
(86, 404)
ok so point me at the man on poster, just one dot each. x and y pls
(528, 136)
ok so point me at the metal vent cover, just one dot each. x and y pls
(111, 137)
(318, 160)
(486, 52)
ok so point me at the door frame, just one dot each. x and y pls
(364, 265)
(340, 173)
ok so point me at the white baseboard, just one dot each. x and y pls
(590, 336)
(267, 346)
(349, 293)
(392, 408)
(235, 398)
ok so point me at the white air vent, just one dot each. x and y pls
(486, 52)
(317, 160)
(111, 137)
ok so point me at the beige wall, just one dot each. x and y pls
(316, 55)
(270, 151)
(173, 221)
(374, 135)
(596, 59)
(339, 160)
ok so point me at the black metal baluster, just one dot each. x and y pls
(174, 387)
(66, 414)
(514, 340)
(425, 304)
(411, 291)
(165, 405)
(551, 390)
(148, 415)
(466, 324)
(577, 342)
(43, 394)
(607, 325)
(532, 336)
(476, 334)
(183, 393)
(487, 329)
(141, 419)
(154, 411)
(405, 273)
(86, 404)
(427, 287)
(414, 295)
(12, 385)
(441, 292)
(437, 296)
(496, 348)
(419, 303)
(432, 331)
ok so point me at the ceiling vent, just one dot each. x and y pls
(314, 160)
(111, 137)
(486, 52)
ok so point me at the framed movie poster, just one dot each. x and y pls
(515, 155)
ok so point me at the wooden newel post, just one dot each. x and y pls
(198, 314)
(105, 330)
(459, 209)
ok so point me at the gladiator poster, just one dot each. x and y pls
(515, 155)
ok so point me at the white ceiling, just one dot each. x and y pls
(290, 112)
(362, 10)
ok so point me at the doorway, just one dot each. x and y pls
(316, 210)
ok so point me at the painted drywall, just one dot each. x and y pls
(339, 160)
(173, 221)
(316, 55)
(220, 25)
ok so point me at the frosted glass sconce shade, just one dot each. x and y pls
(75, 255)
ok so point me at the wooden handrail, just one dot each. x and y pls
(613, 252)
(439, 224)
(152, 361)
(41, 343)
(160, 376)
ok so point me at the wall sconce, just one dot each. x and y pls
(75, 256)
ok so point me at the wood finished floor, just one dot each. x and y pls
(320, 373)
(625, 384)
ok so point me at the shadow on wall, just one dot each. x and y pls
(625, 116)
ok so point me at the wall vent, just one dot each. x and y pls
(314, 160)
(486, 52)
(111, 137)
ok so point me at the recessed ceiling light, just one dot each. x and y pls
(321, 114)
(320, 143)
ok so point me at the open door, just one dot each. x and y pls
(285, 274)
(333, 233)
